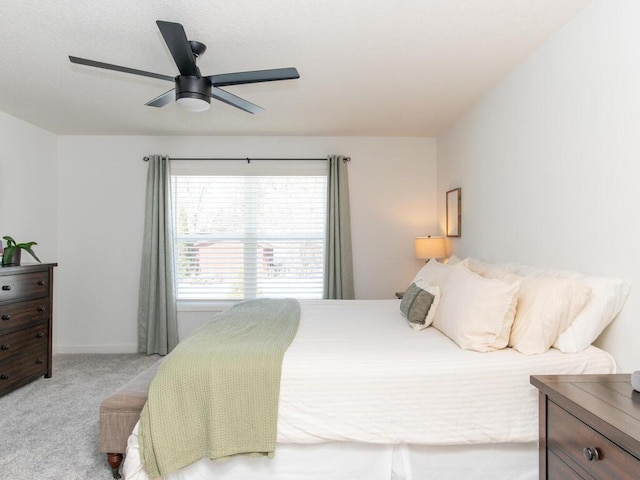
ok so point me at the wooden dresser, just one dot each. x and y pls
(26, 308)
(589, 427)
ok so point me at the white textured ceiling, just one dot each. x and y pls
(367, 67)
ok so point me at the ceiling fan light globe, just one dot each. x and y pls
(193, 104)
(193, 93)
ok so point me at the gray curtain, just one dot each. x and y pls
(338, 281)
(157, 315)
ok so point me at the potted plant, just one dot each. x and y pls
(13, 250)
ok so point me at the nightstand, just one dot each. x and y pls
(589, 427)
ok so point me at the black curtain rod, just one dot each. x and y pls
(249, 160)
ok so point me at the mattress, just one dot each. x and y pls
(357, 373)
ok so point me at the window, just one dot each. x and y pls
(248, 231)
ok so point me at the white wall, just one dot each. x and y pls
(101, 184)
(549, 161)
(28, 186)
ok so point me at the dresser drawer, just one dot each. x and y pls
(27, 285)
(567, 434)
(24, 341)
(558, 470)
(16, 315)
(23, 368)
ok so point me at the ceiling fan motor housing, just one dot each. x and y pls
(188, 86)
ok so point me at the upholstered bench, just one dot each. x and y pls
(119, 413)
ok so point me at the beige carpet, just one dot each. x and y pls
(49, 428)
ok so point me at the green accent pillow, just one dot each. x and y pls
(419, 304)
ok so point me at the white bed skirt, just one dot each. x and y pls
(361, 461)
(498, 461)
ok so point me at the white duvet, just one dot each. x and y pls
(356, 372)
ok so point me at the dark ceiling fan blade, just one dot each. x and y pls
(162, 100)
(254, 76)
(176, 40)
(118, 68)
(234, 101)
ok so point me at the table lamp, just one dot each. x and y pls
(429, 247)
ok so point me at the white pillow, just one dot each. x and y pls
(546, 306)
(607, 299)
(434, 273)
(476, 264)
(452, 260)
(476, 312)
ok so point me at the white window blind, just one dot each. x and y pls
(260, 233)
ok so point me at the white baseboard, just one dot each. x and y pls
(95, 349)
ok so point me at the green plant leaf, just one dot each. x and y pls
(27, 248)
(8, 254)
(10, 241)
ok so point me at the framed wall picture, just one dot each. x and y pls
(454, 208)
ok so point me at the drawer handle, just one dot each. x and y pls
(6, 288)
(6, 317)
(4, 376)
(591, 454)
(40, 282)
(40, 335)
(41, 309)
(39, 362)
(4, 347)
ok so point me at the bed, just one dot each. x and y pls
(364, 396)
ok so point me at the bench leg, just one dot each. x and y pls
(115, 459)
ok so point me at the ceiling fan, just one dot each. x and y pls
(193, 91)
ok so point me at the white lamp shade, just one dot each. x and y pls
(429, 247)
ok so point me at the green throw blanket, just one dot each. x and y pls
(216, 395)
